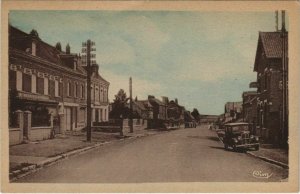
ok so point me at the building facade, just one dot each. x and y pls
(46, 81)
(269, 67)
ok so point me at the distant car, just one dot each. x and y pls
(238, 135)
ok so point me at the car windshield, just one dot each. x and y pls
(239, 128)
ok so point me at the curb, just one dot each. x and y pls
(283, 165)
(17, 174)
(269, 160)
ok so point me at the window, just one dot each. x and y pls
(46, 86)
(96, 94)
(40, 85)
(56, 88)
(33, 48)
(92, 93)
(101, 95)
(75, 90)
(26, 83)
(51, 87)
(69, 89)
(12, 80)
(82, 91)
(60, 89)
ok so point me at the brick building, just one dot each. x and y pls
(46, 81)
(269, 65)
(233, 111)
(250, 107)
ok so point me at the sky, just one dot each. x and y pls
(204, 59)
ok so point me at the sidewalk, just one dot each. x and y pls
(273, 155)
(266, 152)
(24, 158)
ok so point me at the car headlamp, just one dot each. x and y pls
(235, 140)
(256, 138)
(239, 138)
(251, 136)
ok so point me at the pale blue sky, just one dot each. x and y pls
(202, 58)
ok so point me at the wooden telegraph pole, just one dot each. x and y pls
(87, 48)
(284, 127)
(130, 104)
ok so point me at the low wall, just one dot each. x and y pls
(15, 136)
(136, 122)
(40, 133)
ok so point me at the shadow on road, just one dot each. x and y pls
(206, 137)
(219, 148)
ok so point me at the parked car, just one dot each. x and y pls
(239, 135)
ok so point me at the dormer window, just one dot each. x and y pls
(33, 48)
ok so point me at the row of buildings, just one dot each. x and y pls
(163, 113)
(48, 81)
(50, 85)
(267, 106)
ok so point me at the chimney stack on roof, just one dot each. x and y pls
(176, 100)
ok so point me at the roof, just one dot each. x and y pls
(271, 44)
(140, 105)
(235, 124)
(156, 101)
(22, 41)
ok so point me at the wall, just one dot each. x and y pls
(15, 136)
(40, 133)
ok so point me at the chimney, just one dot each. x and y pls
(150, 97)
(68, 49)
(283, 21)
(176, 100)
(276, 20)
(95, 68)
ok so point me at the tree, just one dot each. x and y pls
(119, 109)
(195, 113)
(119, 105)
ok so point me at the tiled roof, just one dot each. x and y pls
(140, 105)
(272, 43)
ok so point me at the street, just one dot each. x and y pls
(183, 155)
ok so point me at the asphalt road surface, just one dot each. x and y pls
(184, 155)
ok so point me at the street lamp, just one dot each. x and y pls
(87, 48)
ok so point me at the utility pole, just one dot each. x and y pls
(130, 104)
(87, 48)
(284, 122)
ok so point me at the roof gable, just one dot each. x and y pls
(270, 45)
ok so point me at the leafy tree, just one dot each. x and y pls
(119, 105)
(195, 113)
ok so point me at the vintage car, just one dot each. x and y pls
(239, 135)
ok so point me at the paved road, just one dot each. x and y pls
(187, 155)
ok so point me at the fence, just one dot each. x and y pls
(25, 131)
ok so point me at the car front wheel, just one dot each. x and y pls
(234, 148)
(226, 146)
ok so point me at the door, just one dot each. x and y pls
(68, 118)
(97, 115)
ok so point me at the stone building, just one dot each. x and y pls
(46, 81)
